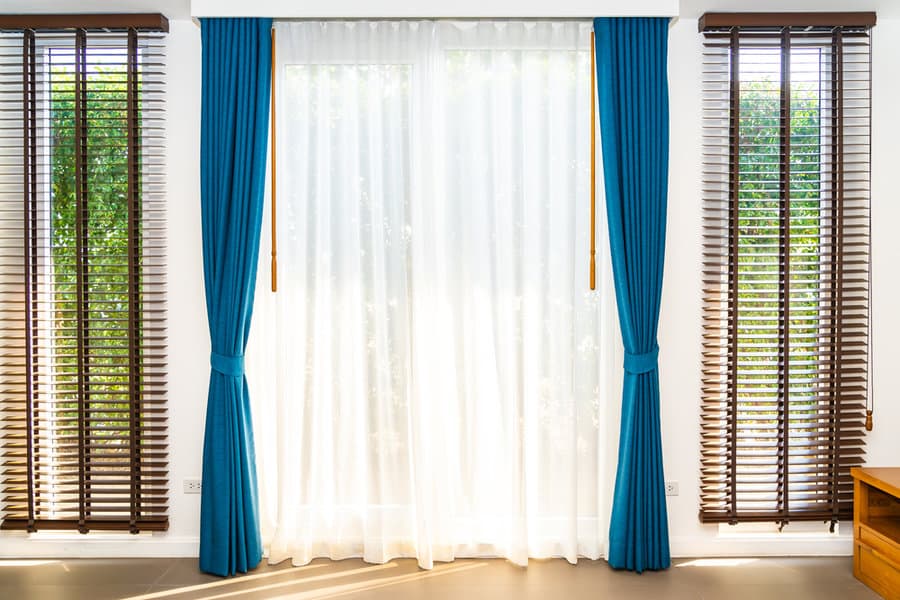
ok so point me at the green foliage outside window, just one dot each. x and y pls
(758, 255)
(107, 248)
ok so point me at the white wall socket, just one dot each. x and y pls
(192, 486)
(671, 488)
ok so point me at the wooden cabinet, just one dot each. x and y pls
(876, 529)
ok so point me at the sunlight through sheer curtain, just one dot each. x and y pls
(433, 378)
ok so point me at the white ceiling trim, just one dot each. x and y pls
(434, 8)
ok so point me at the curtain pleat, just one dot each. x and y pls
(234, 130)
(634, 122)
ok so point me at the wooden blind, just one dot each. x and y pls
(786, 123)
(82, 273)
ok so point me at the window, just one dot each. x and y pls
(786, 264)
(428, 379)
(82, 296)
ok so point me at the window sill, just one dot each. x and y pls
(799, 529)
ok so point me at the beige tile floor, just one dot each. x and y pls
(487, 579)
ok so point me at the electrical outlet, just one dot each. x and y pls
(192, 486)
(671, 488)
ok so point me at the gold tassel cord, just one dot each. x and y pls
(593, 171)
(274, 265)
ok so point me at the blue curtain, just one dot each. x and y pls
(237, 57)
(633, 102)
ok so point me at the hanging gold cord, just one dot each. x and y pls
(274, 265)
(593, 171)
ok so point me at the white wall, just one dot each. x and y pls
(680, 322)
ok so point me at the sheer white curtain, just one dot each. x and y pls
(433, 377)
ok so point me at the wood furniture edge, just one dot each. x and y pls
(862, 481)
(865, 474)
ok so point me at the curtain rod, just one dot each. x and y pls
(416, 19)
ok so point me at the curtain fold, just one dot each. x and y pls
(634, 122)
(234, 130)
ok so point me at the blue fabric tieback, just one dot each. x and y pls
(643, 362)
(226, 364)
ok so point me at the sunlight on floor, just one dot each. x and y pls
(351, 588)
(26, 563)
(231, 581)
(306, 580)
(329, 590)
(718, 562)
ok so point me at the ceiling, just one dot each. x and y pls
(691, 9)
(173, 9)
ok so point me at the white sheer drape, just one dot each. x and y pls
(432, 378)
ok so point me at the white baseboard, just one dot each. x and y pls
(761, 545)
(69, 546)
(99, 546)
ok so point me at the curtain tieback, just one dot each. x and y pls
(226, 364)
(643, 362)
